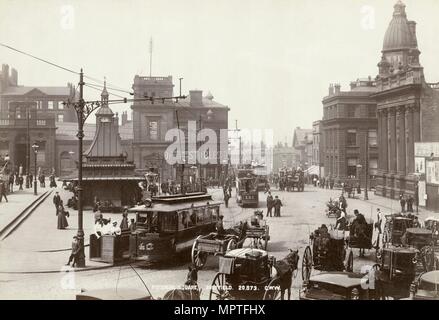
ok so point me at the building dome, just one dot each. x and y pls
(398, 34)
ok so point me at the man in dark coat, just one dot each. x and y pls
(277, 204)
(410, 202)
(56, 201)
(402, 201)
(3, 191)
(20, 182)
(270, 203)
(226, 198)
(75, 250)
(11, 183)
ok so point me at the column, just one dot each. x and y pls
(410, 146)
(416, 123)
(400, 149)
(391, 123)
(384, 144)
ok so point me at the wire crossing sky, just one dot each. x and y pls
(270, 61)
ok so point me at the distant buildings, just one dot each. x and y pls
(152, 120)
(303, 145)
(283, 156)
(317, 148)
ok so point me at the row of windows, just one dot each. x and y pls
(349, 111)
(51, 105)
(351, 138)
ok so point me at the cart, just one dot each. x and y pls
(326, 252)
(212, 244)
(246, 274)
(360, 236)
(259, 234)
(394, 228)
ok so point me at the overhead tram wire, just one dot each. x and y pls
(99, 89)
(61, 67)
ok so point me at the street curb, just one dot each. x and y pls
(58, 250)
(23, 216)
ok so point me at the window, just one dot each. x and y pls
(372, 112)
(153, 132)
(373, 167)
(60, 118)
(372, 137)
(50, 105)
(60, 105)
(351, 138)
(350, 111)
(352, 167)
(169, 222)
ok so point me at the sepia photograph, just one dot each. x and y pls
(250, 150)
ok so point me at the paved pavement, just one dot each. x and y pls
(301, 214)
(17, 202)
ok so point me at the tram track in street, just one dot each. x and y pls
(19, 219)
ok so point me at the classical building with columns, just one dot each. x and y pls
(406, 107)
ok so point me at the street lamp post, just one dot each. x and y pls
(35, 149)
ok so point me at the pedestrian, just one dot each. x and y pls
(3, 191)
(270, 203)
(124, 222)
(62, 217)
(220, 226)
(42, 179)
(132, 226)
(410, 202)
(52, 181)
(402, 201)
(31, 180)
(226, 198)
(230, 189)
(277, 204)
(56, 201)
(379, 221)
(11, 183)
(74, 254)
(20, 182)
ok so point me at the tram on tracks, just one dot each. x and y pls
(169, 225)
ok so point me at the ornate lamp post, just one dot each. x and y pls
(35, 149)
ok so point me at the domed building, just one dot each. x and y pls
(406, 108)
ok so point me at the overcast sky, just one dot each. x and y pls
(270, 61)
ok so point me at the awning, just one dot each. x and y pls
(109, 178)
(313, 170)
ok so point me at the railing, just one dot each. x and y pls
(24, 122)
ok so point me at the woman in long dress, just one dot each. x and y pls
(62, 219)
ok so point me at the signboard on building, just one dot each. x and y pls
(426, 149)
(420, 165)
(432, 172)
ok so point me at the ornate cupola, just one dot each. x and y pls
(400, 45)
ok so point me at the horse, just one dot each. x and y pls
(190, 290)
(285, 269)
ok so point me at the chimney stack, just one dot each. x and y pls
(124, 117)
(337, 88)
(196, 98)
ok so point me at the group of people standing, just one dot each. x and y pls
(406, 201)
(61, 213)
(275, 203)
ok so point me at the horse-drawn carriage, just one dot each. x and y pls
(251, 274)
(326, 252)
(395, 227)
(395, 272)
(212, 244)
(360, 236)
(426, 287)
(333, 209)
(258, 232)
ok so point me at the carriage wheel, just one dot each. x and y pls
(273, 291)
(307, 264)
(218, 290)
(350, 263)
(198, 258)
(232, 244)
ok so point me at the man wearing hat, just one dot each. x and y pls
(277, 204)
(220, 225)
(75, 251)
(56, 201)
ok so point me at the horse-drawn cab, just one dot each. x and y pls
(396, 271)
(417, 237)
(426, 287)
(326, 252)
(395, 227)
(246, 274)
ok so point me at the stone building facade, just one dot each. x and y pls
(407, 106)
(153, 119)
(283, 156)
(349, 125)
